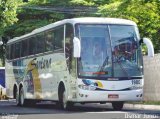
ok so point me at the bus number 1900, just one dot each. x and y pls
(136, 82)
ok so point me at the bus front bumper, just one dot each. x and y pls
(109, 96)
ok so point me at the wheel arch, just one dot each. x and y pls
(64, 103)
(15, 89)
(61, 87)
(20, 86)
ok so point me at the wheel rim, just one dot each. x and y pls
(22, 97)
(64, 101)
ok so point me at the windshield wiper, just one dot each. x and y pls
(123, 69)
(104, 64)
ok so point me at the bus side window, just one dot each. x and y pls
(12, 51)
(40, 43)
(17, 49)
(32, 45)
(8, 52)
(49, 41)
(24, 48)
(59, 38)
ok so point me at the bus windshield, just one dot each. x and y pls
(109, 51)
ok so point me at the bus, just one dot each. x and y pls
(78, 60)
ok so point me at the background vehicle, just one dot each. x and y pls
(2, 83)
(77, 60)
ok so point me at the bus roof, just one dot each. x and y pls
(89, 20)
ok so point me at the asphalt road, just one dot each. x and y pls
(9, 110)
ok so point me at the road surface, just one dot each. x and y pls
(47, 110)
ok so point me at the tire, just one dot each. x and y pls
(21, 97)
(64, 104)
(117, 105)
(22, 100)
(17, 98)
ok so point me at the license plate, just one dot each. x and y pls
(113, 96)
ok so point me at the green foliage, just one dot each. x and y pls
(39, 2)
(110, 10)
(49, 2)
(25, 27)
(7, 13)
(82, 2)
(1, 63)
(8, 16)
(145, 13)
(90, 2)
(66, 2)
(101, 2)
(30, 21)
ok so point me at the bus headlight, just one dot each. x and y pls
(84, 87)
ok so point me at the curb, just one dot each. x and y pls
(141, 106)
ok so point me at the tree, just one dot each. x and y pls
(7, 18)
(8, 14)
(144, 12)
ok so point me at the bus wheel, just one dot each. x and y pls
(117, 105)
(22, 101)
(64, 104)
(17, 98)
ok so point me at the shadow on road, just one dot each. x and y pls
(48, 108)
(9, 107)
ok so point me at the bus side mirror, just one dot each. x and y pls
(77, 47)
(149, 46)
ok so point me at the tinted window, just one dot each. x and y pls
(96, 57)
(54, 39)
(32, 45)
(49, 40)
(17, 49)
(126, 54)
(59, 38)
(24, 48)
(12, 51)
(8, 52)
(40, 43)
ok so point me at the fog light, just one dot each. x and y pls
(81, 95)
